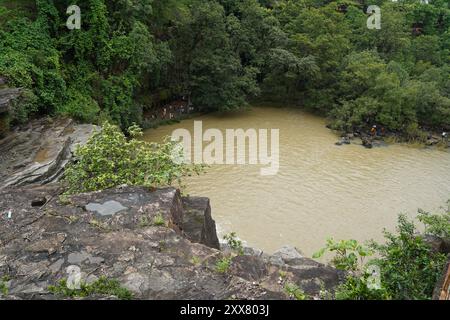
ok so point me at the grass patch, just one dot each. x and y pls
(234, 243)
(102, 286)
(159, 221)
(294, 291)
(195, 260)
(3, 286)
(223, 265)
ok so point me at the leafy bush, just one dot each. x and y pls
(80, 107)
(109, 159)
(436, 224)
(234, 243)
(349, 254)
(294, 291)
(409, 267)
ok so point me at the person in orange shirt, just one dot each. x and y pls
(373, 131)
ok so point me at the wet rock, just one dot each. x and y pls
(368, 143)
(437, 244)
(344, 140)
(38, 152)
(432, 140)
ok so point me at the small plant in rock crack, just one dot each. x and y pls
(294, 291)
(195, 260)
(65, 199)
(4, 286)
(102, 286)
(234, 243)
(349, 256)
(223, 265)
(158, 220)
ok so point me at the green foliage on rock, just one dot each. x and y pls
(294, 291)
(356, 287)
(102, 286)
(349, 254)
(111, 159)
(234, 243)
(409, 268)
(131, 56)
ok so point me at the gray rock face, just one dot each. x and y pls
(38, 153)
(437, 244)
(7, 95)
(38, 245)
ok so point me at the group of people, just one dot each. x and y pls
(171, 112)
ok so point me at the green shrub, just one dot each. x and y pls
(234, 243)
(409, 267)
(223, 265)
(109, 159)
(436, 224)
(349, 254)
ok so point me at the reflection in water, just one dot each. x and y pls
(321, 189)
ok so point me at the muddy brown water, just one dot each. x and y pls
(321, 190)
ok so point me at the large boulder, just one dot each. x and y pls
(139, 237)
(198, 223)
(38, 152)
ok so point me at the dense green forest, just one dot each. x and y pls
(132, 56)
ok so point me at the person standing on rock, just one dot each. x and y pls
(373, 131)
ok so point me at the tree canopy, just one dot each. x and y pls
(134, 55)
